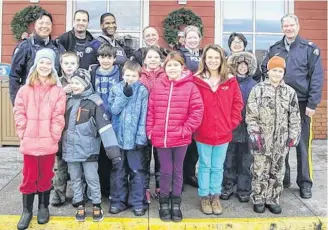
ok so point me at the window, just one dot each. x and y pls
(129, 16)
(258, 20)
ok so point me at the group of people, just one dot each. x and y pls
(102, 111)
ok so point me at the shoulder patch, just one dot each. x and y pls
(316, 52)
(98, 102)
(310, 43)
(105, 117)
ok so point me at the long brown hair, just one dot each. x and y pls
(34, 78)
(223, 70)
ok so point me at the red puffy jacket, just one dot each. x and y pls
(148, 78)
(222, 111)
(175, 111)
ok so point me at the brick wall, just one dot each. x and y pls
(56, 8)
(158, 10)
(313, 22)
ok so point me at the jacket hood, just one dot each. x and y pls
(198, 81)
(187, 76)
(246, 57)
(151, 74)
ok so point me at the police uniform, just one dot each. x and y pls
(304, 73)
(139, 55)
(191, 59)
(23, 59)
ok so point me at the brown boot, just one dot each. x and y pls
(205, 204)
(216, 205)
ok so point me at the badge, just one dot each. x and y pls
(310, 43)
(88, 50)
(105, 117)
(316, 52)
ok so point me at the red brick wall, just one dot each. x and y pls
(56, 8)
(313, 21)
(158, 10)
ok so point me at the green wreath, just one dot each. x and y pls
(178, 18)
(23, 19)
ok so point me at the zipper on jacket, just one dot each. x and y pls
(275, 115)
(167, 114)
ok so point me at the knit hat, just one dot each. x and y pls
(246, 57)
(276, 61)
(83, 76)
(44, 53)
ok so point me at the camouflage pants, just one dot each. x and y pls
(268, 173)
(61, 177)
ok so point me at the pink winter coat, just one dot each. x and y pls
(149, 78)
(175, 111)
(39, 116)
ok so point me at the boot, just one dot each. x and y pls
(176, 213)
(164, 209)
(205, 205)
(58, 199)
(43, 210)
(216, 205)
(27, 214)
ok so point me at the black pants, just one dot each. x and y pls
(304, 153)
(104, 169)
(148, 154)
(237, 168)
(189, 164)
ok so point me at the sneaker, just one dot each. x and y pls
(80, 213)
(226, 194)
(274, 208)
(259, 208)
(306, 193)
(148, 196)
(139, 212)
(97, 213)
(243, 198)
(216, 205)
(205, 205)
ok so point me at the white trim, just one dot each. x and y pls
(144, 19)
(291, 6)
(69, 15)
(103, 129)
(1, 17)
(217, 22)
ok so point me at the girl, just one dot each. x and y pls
(222, 114)
(39, 115)
(175, 111)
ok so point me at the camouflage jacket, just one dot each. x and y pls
(274, 113)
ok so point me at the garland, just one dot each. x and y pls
(177, 19)
(23, 19)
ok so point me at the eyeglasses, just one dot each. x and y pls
(237, 42)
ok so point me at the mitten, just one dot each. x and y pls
(127, 90)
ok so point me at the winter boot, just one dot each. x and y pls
(216, 205)
(43, 211)
(164, 208)
(205, 205)
(58, 199)
(27, 214)
(176, 213)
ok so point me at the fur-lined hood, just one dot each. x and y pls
(244, 56)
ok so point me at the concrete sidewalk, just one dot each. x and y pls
(297, 213)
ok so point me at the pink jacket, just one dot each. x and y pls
(39, 116)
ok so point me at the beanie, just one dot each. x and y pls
(276, 61)
(83, 76)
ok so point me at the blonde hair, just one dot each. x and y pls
(224, 68)
(69, 54)
(34, 78)
(194, 29)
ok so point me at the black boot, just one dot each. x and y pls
(43, 210)
(175, 209)
(27, 214)
(164, 208)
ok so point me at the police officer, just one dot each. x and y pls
(24, 53)
(304, 72)
(80, 40)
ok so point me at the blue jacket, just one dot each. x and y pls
(129, 115)
(304, 71)
(191, 60)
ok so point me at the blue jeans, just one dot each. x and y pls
(210, 171)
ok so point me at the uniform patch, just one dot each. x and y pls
(316, 52)
(310, 43)
(88, 50)
(105, 117)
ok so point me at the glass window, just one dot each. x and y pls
(95, 10)
(129, 18)
(237, 16)
(268, 15)
(263, 42)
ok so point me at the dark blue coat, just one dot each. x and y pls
(191, 61)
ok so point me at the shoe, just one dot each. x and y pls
(274, 208)
(80, 213)
(27, 214)
(97, 213)
(205, 205)
(226, 194)
(58, 199)
(139, 212)
(306, 193)
(164, 208)
(114, 210)
(148, 196)
(287, 185)
(259, 208)
(243, 198)
(43, 215)
(176, 214)
(192, 181)
(216, 205)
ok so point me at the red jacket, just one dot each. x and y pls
(222, 111)
(148, 78)
(175, 111)
(39, 116)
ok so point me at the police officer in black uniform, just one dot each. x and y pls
(304, 72)
(24, 53)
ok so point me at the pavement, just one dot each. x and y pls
(297, 213)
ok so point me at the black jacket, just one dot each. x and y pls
(139, 55)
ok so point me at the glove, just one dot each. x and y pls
(127, 90)
(139, 147)
(116, 160)
(290, 143)
(256, 142)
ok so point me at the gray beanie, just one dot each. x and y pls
(44, 53)
(83, 76)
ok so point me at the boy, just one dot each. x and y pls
(274, 125)
(128, 102)
(86, 125)
(239, 159)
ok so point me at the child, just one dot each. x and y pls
(69, 62)
(274, 125)
(86, 126)
(151, 73)
(175, 111)
(239, 159)
(222, 114)
(39, 116)
(128, 102)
